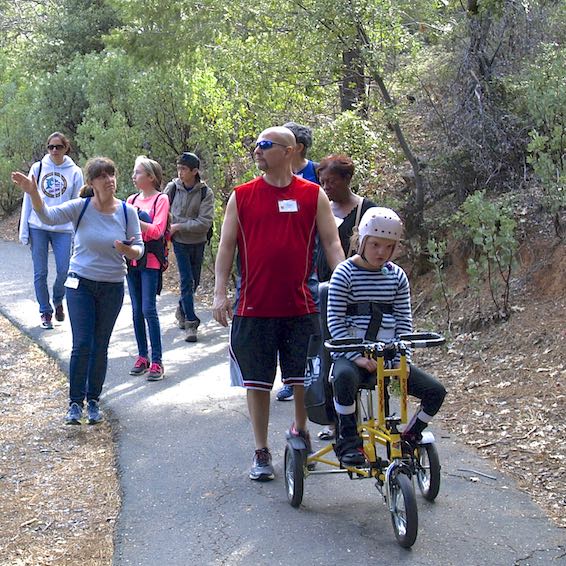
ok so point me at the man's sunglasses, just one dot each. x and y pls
(57, 146)
(267, 144)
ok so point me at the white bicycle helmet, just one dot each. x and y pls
(380, 222)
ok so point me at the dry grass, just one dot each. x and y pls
(59, 490)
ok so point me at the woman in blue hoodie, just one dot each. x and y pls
(58, 180)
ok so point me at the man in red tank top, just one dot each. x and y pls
(272, 221)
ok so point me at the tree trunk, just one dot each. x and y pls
(352, 89)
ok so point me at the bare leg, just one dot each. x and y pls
(258, 407)
(300, 411)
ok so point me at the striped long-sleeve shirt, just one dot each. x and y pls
(352, 284)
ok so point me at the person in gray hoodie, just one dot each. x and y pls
(59, 179)
(192, 214)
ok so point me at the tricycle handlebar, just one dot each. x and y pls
(415, 340)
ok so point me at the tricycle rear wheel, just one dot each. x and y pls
(428, 471)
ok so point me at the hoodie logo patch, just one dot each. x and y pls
(53, 184)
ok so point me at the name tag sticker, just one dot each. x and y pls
(288, 206)
(72, 282)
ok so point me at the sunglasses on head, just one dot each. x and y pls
(268, 144)
(53, 146)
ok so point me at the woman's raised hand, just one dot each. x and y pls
(25, 183)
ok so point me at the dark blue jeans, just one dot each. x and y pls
(61, 245)
(142, 284)
(189, 263)
(93, 309)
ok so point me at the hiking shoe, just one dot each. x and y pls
(93, 412)
(46, 321)
(156, 372)
(74, 414)
(180, 317)
(353, 457)
(409, 442)
(304, 434)
(191, 330)
(285, 393)
(140, 367)
(59, 313)
(262, 469)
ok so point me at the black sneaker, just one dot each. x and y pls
(354, 457)
(262, 469)
(74, 414)
(59, 313)
(409, 442)
(46, 321)
(93, 412)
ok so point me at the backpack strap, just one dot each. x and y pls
(87, 200)
(39, 172)
(356, 224)
(171, 193)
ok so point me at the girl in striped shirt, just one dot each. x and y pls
(358, 285)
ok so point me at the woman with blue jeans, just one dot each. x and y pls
(144, 276)
(59, 180)
(107, 231)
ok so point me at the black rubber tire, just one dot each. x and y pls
(405, 517)
(294, 475)
(428, 471)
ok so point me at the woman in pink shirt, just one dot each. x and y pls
(144, 276)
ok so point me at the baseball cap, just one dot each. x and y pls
(189, 159)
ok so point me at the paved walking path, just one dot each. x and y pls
(185, 446)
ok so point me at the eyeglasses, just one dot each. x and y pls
(57, 146)
(267, 144)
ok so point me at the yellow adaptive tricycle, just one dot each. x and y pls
(394, 468)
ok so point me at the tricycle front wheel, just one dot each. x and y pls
(404, 514)
(294, 475)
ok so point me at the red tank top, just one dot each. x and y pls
(276, 237)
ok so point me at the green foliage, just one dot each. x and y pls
(367, 143)
(491, 230)
(436, 253)
(542, 91)
(69, 28)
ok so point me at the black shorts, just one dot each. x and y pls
(256, 344)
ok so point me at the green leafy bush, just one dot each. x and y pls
(542, 96)
(491, 229)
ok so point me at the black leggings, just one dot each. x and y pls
(347, 377)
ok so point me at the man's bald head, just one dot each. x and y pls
(280, 135)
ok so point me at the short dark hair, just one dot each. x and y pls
(338, 163)
(96, 166)
(303, 134)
